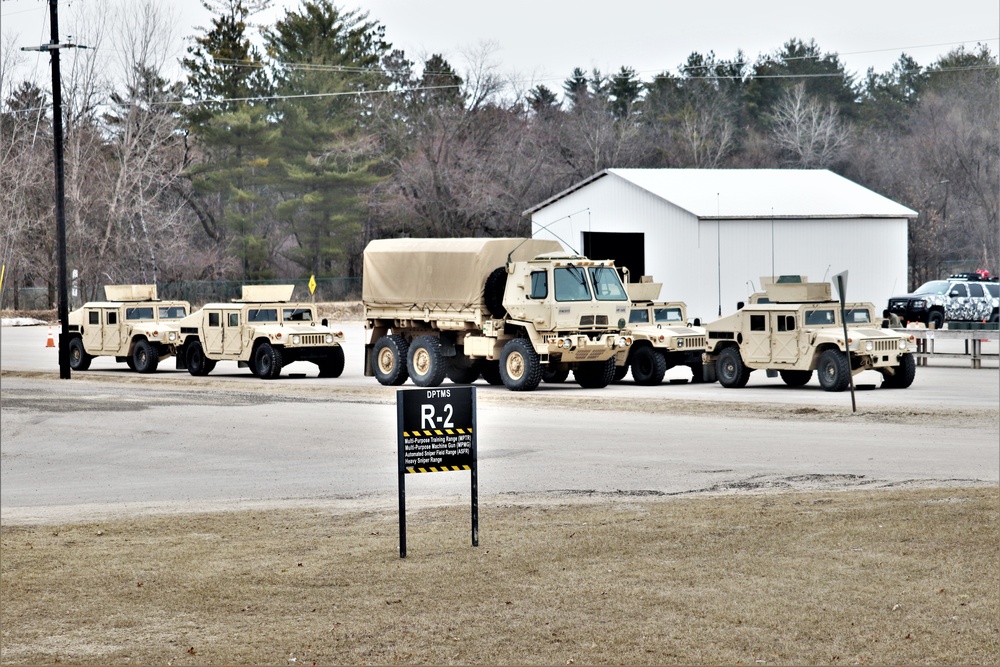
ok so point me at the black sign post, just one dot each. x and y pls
(841, 280)
(436, 432)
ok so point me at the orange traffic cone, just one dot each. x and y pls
(51, 342)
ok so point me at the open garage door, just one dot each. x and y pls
(627, 249)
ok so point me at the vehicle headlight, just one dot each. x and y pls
(902, 344)
(920, 304)
(680, 342)
(295, 340)
(869, 346)
(172, 335)
(329, 338)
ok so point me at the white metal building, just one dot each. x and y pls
(709, 234)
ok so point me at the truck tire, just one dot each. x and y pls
(496, 284)
(425, 363)
(520, 369)
(697, 373)
(795, 378)
(648, 366)
(145, 357)
(490, 371)
(596, 374)
(462, 370)
(267, 361)
(333, 365)
(554, 375)
(620, 373)
(197, 362)
(79, 360)
(936, 318)
(389, 360)
(730, 369)
(833, 370)
(905, 372)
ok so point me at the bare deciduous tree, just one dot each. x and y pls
(811, 134)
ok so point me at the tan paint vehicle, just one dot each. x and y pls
(508, 309)
(661, 337)
(263, 331)
(794, 328)
(132, 326)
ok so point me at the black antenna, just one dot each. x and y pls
(546, 228)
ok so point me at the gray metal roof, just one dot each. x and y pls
(754, 193)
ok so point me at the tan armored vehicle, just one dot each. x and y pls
(262, 330)
(794, 329)
(509, 309)
(132, 326)
(661, 337)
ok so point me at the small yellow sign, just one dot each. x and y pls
(312, 284)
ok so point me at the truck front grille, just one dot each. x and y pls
(886, 345)
(690, 342)
(313, 339)
(591, 320)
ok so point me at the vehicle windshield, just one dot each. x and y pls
(933, 287)
(139, 313)
(571, 284)
(607, 285)
(858, 316)
(172, 312)
(668, 315)
(640, 316)
(818, 318)
(297, 314)
(262, 315)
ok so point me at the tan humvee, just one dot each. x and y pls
(132, 326)
(661, 337)
(262, 330)
(796, 328)
(509, 309)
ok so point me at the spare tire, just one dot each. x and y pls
(493, 291)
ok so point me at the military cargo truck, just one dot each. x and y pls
(263, 331)
(132, 326)
(507, 309)
(661, 337)
(795, 328)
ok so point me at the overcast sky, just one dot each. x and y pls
(541, 41)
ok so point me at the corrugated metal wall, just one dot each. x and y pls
(688, 255)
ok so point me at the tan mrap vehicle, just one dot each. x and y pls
(262, 330)
(661, 337)
(132, 326)
(509, 309)
(796, 328)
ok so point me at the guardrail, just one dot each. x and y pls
(973, 344)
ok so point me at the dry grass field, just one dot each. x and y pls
(903, 577)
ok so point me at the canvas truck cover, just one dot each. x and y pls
(439, 273)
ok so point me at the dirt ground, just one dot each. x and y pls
(905, 577)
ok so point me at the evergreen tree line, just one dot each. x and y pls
(281, 156)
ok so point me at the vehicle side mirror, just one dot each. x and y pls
(739, 305)
(697, 321)
(324, 322)
(954, 292)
